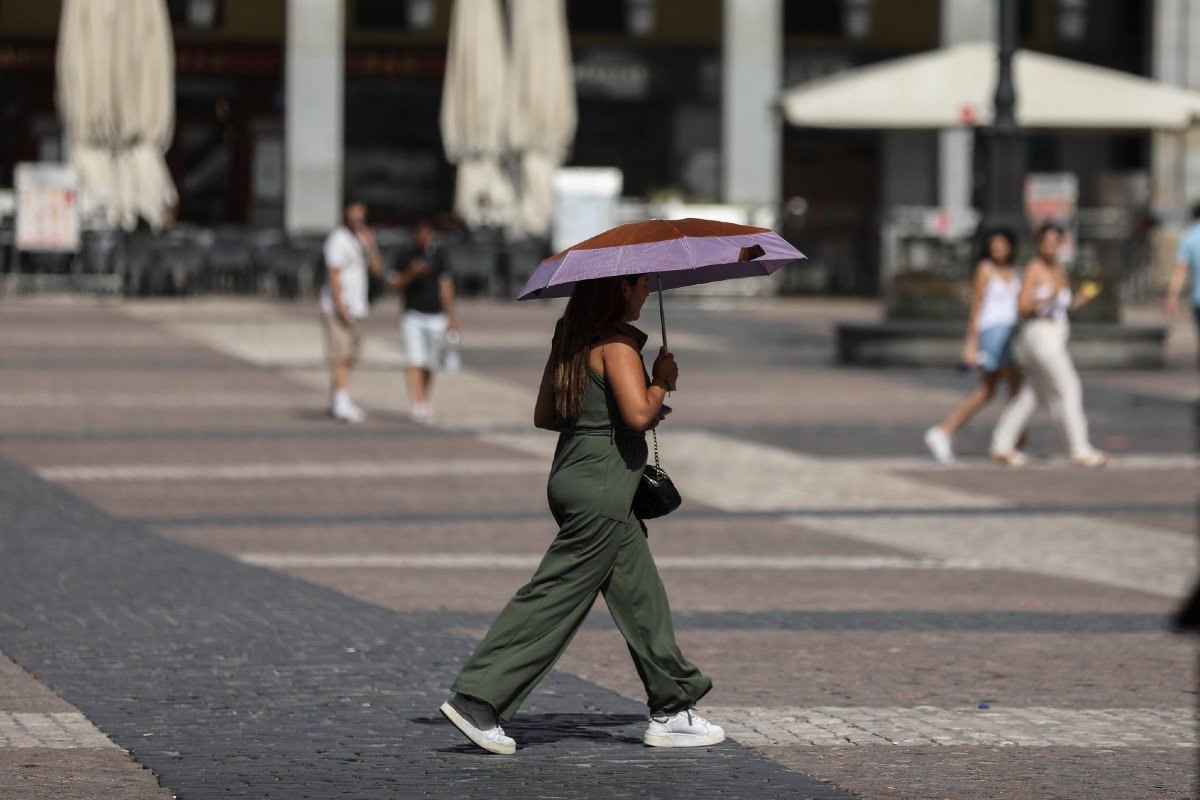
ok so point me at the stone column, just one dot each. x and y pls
(962, 21)
(313, 112)
(1175, 56)
(751, 79)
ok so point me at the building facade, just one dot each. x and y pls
(669, 91)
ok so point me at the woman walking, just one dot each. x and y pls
(1044, 301)
(596, 394)
(990, 330)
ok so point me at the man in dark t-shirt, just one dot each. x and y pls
(429, 316)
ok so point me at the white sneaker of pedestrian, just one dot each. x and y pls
(682, 729)
(1015, 459)
(477, 721)
(1093, 460)
(939, 445)
(423, 415)
(346, 411)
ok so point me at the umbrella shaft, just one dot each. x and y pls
(662, 316)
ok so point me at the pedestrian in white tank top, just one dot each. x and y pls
(1044, 302)
(990, 329)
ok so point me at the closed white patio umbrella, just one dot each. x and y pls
(84, 95)
(474, 112)
(542, 114)
(954, 86)
(116, 98)
(145, 73)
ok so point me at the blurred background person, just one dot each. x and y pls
(429, 313)
(349, 252)
(1187, 268)
(990, 330)
(1045, 300)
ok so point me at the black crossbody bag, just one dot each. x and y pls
(656, 495)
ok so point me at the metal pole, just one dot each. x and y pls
(1003, 196)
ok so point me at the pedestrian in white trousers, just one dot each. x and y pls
(1044, 301)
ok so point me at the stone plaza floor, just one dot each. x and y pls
(210, 589)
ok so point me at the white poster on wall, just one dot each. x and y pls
(47, 207)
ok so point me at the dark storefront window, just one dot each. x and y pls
(837, 175)
(10, 132)
(197, 14)
(809, 18)
(589, 16)
(386, 14)
(393, 156)
(205, 152)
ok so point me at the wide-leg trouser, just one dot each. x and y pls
(590, 555)
(1054, 381)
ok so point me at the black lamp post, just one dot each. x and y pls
(1005, 140)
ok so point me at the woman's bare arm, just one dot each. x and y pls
(638, 403)
(971, 345)
(982, 274)
(1035, 276)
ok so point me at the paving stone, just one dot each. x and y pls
(192, 661)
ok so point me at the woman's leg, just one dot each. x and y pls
(1019, 411)
(638, 604)
(1065, 397)
(1011, 375)
(538, 623)
(1012, 379)
(980, 397)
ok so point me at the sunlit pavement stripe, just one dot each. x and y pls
(61, 731)
(730, 474)
(507, 561)
(167, 400)
(923, 726)
(1143, 461)
(1062, 545)
(301, 469)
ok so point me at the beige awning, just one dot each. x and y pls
(954, 86)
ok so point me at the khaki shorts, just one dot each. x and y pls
(343, 343)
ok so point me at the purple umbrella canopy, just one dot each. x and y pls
(674, 252)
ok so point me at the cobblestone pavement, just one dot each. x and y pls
(255, 601)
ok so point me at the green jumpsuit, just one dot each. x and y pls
(601, 547)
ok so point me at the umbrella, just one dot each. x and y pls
(542, 117)
(116, 98)
(474, 112)
(953, 86)
(84, 96)
(674, 252)
(145, 115)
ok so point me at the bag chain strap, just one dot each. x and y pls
(657, 464)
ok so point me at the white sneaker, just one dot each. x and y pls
(1015, 459)
(939, 445)
(683, 729)
(423, 415)
(348, 412)
(477, 722)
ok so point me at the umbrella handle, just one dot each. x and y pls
(662, 317)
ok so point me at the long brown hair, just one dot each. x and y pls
(594, 305)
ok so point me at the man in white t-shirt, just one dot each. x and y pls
(349, 252)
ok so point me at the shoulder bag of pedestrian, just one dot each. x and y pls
(656, 495)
